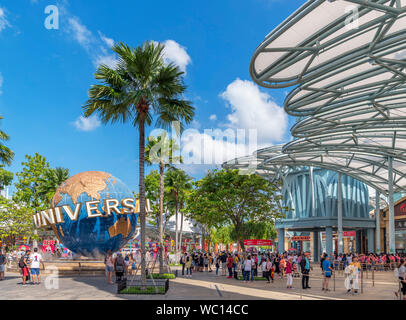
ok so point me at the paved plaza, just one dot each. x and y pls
(203, 286)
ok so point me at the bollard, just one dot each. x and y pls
(301, 289)
(362, 281)
(334, 280)
(373, 277)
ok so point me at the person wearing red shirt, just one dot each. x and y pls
(288, 272)
(230, 261)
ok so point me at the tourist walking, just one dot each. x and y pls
(353, 271)
(217, 261)
(247, 269)
(305, 267)
(327, 270)
(188, 266)
(23, 265)
(402, 277)
(3, 262)
(36, 259)
(109, 262)
(223, 263)
(230, 262)
(288, 272)
(119, 267)
(182, 262)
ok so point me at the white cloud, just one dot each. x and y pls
(255, 122)
(253, 109)
(107, 59)
(174, 52)
(213, 117)
(87, 124)
(108, 41)
(3, 20)
(97, 48)
(80, 33)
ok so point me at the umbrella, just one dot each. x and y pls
(24, 247)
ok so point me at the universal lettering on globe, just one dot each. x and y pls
(91, 213)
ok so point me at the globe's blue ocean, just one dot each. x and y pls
(90, 236)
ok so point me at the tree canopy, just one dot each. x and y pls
(224, 197)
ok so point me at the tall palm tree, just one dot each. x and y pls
(160, 150)
(6, 155)
(137, 89)
(51, 180)
(177, 183)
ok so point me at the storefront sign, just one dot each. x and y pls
(400, 209)
(48, 242)
(301, 238)
(256, 242)
(400, 224)
(349, 233)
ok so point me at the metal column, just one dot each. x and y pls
(313, 212)
(316, 246)
(281, 240)
(358, 239)
(391, 207)
(377, 222)
(340, 216)
(371, 240)
(329, 241)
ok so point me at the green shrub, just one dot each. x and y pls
(137, 290)
(163, 276)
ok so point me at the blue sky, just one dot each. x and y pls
(45, 74)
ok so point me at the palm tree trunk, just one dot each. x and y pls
(161, 214)
(176, 230)
(142, 199)
(181, 231)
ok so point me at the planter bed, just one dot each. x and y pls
(134, 287)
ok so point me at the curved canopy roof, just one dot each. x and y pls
(389, 113)
(385, 142)
(253, 164)
(347, 60)
(340, 39)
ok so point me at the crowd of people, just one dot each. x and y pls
(244, 266)
(270, 265)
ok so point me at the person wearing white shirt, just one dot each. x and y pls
(247, 268)
(36, 259)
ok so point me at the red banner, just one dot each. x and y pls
(256, 242)
(349, 233)
(301, 238)
(49, 242)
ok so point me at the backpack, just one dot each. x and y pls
(119, 265)
(21, 263)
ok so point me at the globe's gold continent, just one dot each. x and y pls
(90, 182)
(122, 226)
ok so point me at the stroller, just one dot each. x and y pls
(296, 273)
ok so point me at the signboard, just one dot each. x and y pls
(349, 234)
(256, 242)
(301, 238)
(400, 224)
(49, 242)
(400, 209)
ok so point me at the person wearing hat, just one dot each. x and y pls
(305, 266)
(119, 267)
(327, 270)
